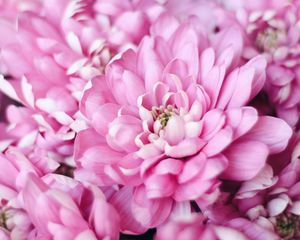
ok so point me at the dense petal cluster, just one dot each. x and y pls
(165, 119)
(272, 29)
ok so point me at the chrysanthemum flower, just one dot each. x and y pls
(14, 221)
(67, 210)
(273, 201)
(272, 29)
(170, 118)
(51, 52)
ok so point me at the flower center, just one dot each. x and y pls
(163, 114)
(287, 226)
(268, 40)
(3, 220)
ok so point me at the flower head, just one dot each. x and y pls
(273, 201)
(64, 219)
(170, 118)
(272, 29)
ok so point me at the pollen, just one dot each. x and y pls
(163, 114)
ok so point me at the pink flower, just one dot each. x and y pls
(14, 221)
(273, 202)
(272, 29)
(224, 212)
(56, 49)
(56, 214)
(169, 118)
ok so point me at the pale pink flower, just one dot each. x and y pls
(45, 148)
(14, 222)
(56, 49)
(66, 210)
(225, 212)
(272, 29)
(169, 119)
(273, 201)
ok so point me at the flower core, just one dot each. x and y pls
(287, 226)
(163, 114)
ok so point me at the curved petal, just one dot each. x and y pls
(160, 186)
(150, 212)
(245, 160)
(273, 132)
(185, 148)
(122, 200)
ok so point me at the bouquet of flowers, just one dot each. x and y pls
(149, 119)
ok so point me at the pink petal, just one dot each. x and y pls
(263, 131)
(236, 88)
(184, 44)
(103, 210)
(219, 142)
(214, 167)
(253, 230)
(263, 180)
(245, 160)
(168, 165)
(207, 60)
(280, 76)
(213, 82)
(192, 190)
(277, 206)
(150, 213)
(122, 133)
(259, 63)
(87, 234)
(192, 168)
(164, 26)
(224, 233)
(230, 37)
(148, 151)
(160, 186)
(185, 148)
(241, 120)
(147, 57)
(134, 87)
(8, 170)
(174, 131)
(213, 121)
(103, 116)
(122, 200)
